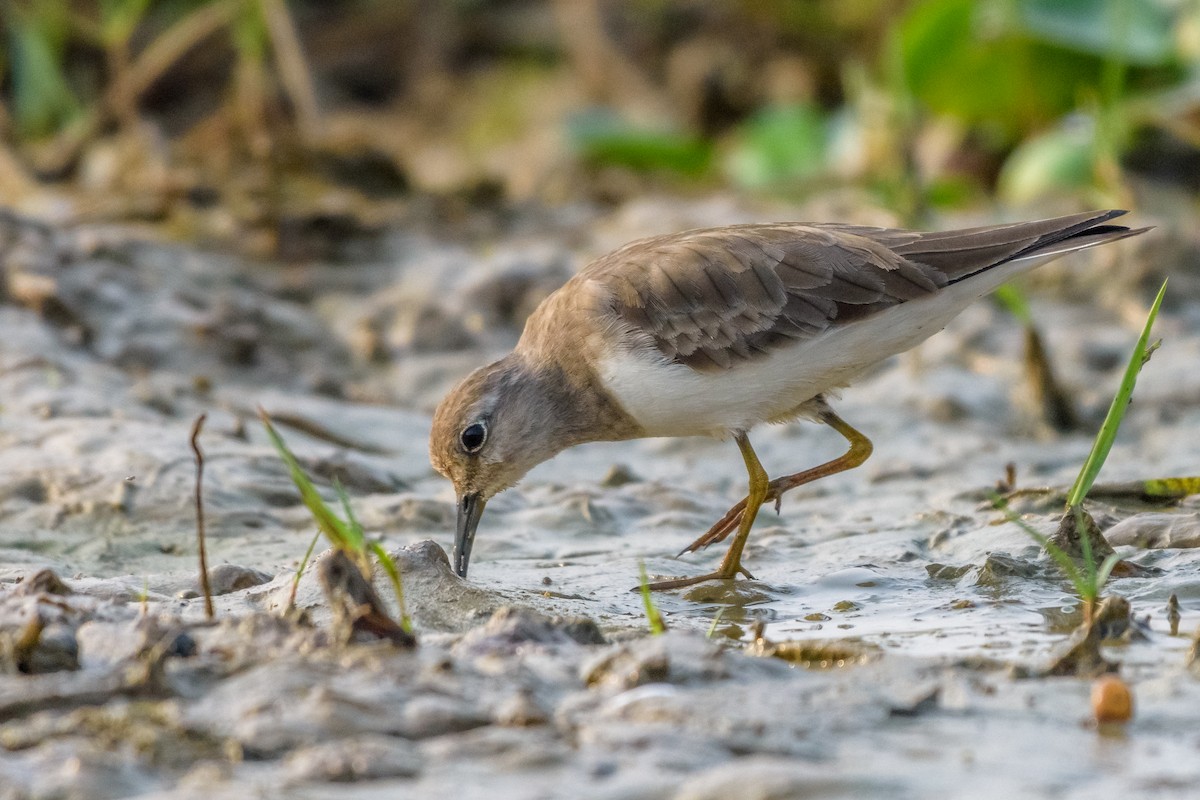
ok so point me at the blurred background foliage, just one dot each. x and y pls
(234, 119)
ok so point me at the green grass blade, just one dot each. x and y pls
(653, 617)
(393, 573)
(1106, 569)
(338, 532)
(1171, 487)
(712, 629)
(346, 535)
(357, 535)
(300, 572)
(1116, 411)
(1089, 588)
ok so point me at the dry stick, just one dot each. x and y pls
(204, 585)
(293, 68)
(168, 47)
(600, 63)
(150, 65)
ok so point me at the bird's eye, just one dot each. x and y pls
(473, 437)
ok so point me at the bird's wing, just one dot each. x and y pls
(710, 299)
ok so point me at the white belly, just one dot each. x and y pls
(669, 399)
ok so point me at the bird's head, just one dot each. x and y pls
(491, 429)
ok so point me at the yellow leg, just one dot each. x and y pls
(860, 450)
(731, 565)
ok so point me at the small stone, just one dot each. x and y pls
(225, 579)
(946, 572)
(998, 568)
(1111, 700)
(511, 628)
(627, 666)
(1156, 530)
(435, 715)
(619, 475)
(1068, 537)
(45, 581)
(520, 710)
(357, 758)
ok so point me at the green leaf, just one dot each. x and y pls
(1138, 32)
(1009, 296)
(1060, 160)
(1116, 411)
(605, 139)
(780, 144)
(975, 61)
(42, 98)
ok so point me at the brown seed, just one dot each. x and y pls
(1111, 700)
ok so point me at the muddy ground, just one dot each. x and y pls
(911, 607)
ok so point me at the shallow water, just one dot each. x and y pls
(903, 557)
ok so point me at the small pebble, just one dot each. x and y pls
(618, 475)
(1111, 700)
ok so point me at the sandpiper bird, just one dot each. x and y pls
(711, 332)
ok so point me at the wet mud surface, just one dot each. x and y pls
(897, 609)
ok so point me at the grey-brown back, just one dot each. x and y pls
(712, 298)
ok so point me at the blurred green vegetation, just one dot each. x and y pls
(927, 103)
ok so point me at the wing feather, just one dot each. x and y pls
(711, 299)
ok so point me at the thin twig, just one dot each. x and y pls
(204, 585)
(144, 71)
(167, 48)
(291, 603)
(293, 69)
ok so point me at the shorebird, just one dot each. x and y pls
(710, 332)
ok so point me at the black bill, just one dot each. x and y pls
(470, 509)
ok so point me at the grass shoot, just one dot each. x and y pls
(300, 570)
(658, 625)
(1087, 576)
(1116, 411)
(345, 535)
(712, 629)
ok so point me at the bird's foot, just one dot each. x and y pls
(732, 519)
(680, 583)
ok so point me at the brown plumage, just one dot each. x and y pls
(714, 331)
(711, 298)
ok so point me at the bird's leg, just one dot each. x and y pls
(731, 565)
(860, 450)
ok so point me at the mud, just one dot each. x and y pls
(878, 653)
